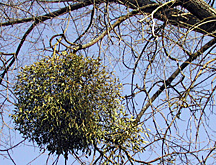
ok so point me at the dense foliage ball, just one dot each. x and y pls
(64, 102)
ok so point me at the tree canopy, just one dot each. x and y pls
(163, 53)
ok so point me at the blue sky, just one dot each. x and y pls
(26, 152)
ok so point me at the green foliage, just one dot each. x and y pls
(68, 103)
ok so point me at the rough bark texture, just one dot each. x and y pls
(199, 8)
(202, 17)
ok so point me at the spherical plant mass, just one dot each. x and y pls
(64, 102)
(68, 103)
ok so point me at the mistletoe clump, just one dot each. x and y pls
(65, 102)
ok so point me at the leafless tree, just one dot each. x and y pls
(163, 52)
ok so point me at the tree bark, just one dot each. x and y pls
(199, 8)
(201, 17)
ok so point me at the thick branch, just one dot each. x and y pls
(199, 11)
(203, 11)
(49, 15)
(199, 8)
